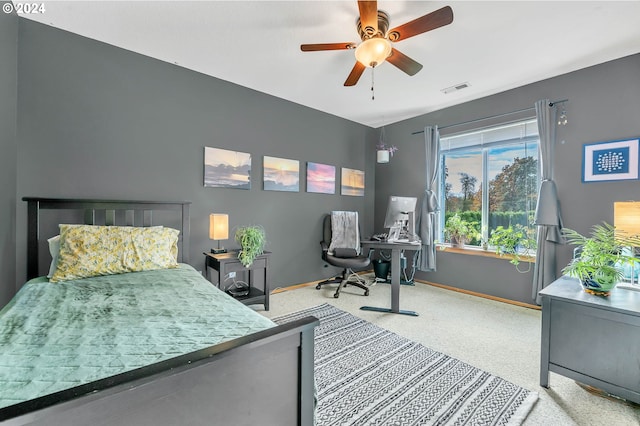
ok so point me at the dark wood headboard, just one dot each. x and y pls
(104, 212)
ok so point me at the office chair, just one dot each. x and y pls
(346, 258)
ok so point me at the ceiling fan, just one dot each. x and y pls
(376, 45)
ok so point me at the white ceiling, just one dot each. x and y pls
(494, 46)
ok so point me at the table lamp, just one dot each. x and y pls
(626, 218)
(218, 230)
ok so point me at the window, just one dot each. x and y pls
(490, 178)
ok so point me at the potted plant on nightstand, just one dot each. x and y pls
(597, 259)
(252, 240)
(459, 231)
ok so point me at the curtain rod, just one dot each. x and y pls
(552, 103)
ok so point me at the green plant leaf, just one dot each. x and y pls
(252, 240)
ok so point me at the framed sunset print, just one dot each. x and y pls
(227, 169)
(352, 182)
(281, 174)
(321, 178)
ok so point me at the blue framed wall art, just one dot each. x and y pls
(608, 161)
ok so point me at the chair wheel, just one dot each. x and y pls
(318, 287)
(366, 293)
(336, 295)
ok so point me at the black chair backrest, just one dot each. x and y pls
(326, 229)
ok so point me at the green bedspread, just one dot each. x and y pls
(54, 336)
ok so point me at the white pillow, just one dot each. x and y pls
(54, 250)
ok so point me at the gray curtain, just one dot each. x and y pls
(426, 218)
(548, 216)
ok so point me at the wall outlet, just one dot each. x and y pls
(231, 274)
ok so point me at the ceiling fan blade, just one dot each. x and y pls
(428, 22)
(368, 16)
(326, 46)
(404, 62)
(355, 74)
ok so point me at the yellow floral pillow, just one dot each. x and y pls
(88, 251)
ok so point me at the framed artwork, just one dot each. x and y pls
(352, 182)
(321, 178)
(281, 174)
(607, 161)
(227, 169)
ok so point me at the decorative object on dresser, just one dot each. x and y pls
(597, 259)
(218, 230)
(626, 218)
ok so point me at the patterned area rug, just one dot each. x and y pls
(366, 375)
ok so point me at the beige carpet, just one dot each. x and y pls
(499, 338)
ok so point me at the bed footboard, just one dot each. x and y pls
(265, 378)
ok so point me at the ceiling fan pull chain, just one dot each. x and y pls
(373, 93)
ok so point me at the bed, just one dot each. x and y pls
(153, 346)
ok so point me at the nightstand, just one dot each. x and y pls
(218, 266)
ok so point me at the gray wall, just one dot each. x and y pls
(8, 150)
(604, 104)
(101, 122)
(98, 121)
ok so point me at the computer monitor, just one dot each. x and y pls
(401, 210)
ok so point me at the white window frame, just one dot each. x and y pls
(529, 133)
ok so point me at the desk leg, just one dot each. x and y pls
(395, 280)
(395, 288)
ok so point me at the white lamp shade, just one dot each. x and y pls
(383, 156)
(218, 226)
(373, 52)
(626, 217)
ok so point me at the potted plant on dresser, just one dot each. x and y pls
(598, 258)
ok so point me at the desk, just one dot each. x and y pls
(224, 263)
(396, 248)
(592, 339)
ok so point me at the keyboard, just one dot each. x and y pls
(379, 237)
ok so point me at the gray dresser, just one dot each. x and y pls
(592, 339)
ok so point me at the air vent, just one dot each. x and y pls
(455, 88)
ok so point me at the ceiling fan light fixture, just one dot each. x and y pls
(373, 51)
